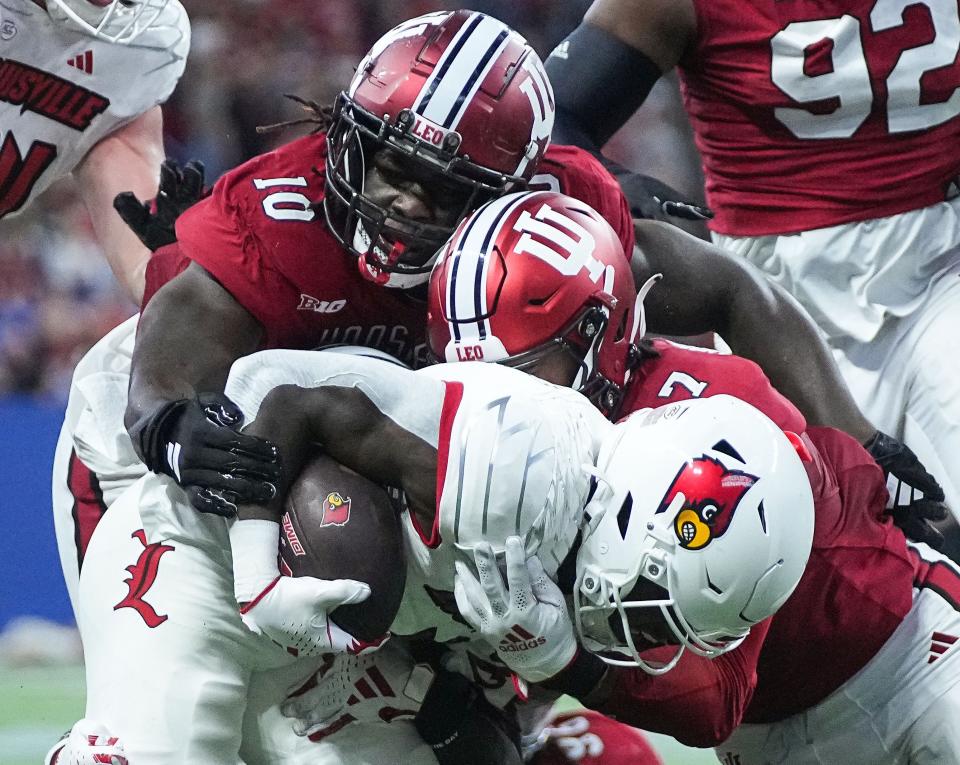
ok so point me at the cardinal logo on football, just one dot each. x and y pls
(336, 510)
(711, 494)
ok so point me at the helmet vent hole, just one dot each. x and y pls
(724, 447)
(623, 517)
(543, 300)
(763, 516)
(622, 328)
(711, 585)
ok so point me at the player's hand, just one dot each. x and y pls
(87, 743)
(916, 499)
(526, 620)
(197, 442)
(371, 687)
(655, 200)
(294, 612)
(153, 222)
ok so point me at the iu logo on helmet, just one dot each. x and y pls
(143, 574)
(711, 494)
(336, 510)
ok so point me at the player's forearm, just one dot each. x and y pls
(189, 335)
(699, 702)
(126, 160)
(776, 333)
(706, 289)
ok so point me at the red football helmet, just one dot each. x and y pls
(461, 95)
(528, 272)
(116, 21)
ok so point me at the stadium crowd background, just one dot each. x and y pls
(57, 295)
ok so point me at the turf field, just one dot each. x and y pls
(38, 703)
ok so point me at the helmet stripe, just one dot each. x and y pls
(475, 81)
(435, 78)
(466, 289)
(461, 71)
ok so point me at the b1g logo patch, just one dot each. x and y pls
(711, 494)
(336, 510)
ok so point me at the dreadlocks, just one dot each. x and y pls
(318, 116)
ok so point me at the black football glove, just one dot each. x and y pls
(196, 442)
(916, 499)
(153, 222)
(655, 200)
(462, 727)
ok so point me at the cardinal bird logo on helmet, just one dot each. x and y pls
(711, 494)
(336, 510)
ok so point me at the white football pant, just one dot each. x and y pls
(886, 295)
(902, 708)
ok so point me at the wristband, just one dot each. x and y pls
(255, 544)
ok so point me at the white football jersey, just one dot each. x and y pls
(62, 91)
(511, 457)
(511, 450)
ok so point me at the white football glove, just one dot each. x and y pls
(373, 687)
(87, 743)
(528, 623)
(291, 611)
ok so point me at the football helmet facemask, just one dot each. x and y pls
(709, 501)
(116, 21)
(459, 97)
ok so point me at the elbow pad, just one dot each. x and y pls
(598, 83)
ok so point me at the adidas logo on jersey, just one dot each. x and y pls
(520, 640)
(83, 62)
(939, 645)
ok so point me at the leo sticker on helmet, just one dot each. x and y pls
(336, 510)
(711, 494)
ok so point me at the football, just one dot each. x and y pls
(339, 525)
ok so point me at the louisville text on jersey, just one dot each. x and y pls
(48, 95)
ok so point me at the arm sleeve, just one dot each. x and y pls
(699, 702)
(598, 82)
(412, 401)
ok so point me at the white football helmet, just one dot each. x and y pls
(709, 500)
(116, 21)
(518, 451)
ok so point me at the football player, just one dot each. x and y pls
(80, 88)
(820, 126)
(479, 451)
(872, 624)
(321, 242)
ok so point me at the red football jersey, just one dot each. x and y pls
(814, 113)
(588, 738)
(856, 589)
(577, 173)
(262, 234)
